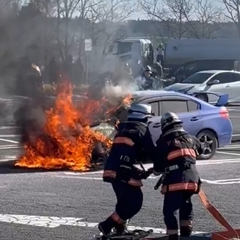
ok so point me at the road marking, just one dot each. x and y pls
(10, 135)
(212, 162)
(3, 147)
(53, 222)
(8, 127)
(236, 135)
(8, 140)
(79, 177)
(92, 178)
(200, 163)
(228, 153)
(230, 146)
(7, 157)
(222, 181)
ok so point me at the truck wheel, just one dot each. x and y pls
(210, 143)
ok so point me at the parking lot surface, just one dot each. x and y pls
(68, 205)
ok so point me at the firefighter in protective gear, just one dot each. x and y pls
(131, 144)
(146, 81)
(176, 161)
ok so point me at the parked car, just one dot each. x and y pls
(210, 124)
(189, 68)
(213, 80)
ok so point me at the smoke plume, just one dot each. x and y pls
(115, 93)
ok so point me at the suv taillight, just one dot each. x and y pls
(224, 112)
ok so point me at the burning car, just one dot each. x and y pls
(67, 135)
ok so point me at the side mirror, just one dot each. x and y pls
(213, 82)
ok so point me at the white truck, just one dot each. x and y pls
(136, 52)
(180, 51)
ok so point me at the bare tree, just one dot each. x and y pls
(233, 9)
(207, 19)
(173, 13)
(9, 7)
(112, 15)
(65, 32)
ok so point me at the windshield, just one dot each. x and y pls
(124, 47)
(197, 78)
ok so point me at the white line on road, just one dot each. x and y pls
(93, 178)
(231, 146)
(199, 163)
(53, 222)
(228, 153)
(9, 135)
(235, 148)
(3, 147)
(215, 182)
(79, 177)
(212, 162)
(7, 140)
(7, 159)
(222, 181)
(8, 127)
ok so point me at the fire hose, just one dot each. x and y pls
(212, 210)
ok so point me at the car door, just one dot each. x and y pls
(154, 125)
(187, 110)
(233, 88)
(224, 79)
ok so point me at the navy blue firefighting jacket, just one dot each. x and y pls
(176, 157)
(132, 144)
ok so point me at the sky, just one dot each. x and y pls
(142, 15)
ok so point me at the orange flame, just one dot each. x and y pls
(67, 140)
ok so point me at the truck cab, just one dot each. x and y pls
(134, 51)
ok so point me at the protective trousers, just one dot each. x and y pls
(174, 202)
(129, 203)
(129, 200)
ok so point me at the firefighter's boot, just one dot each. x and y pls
(106, 226)
(186, 231)
(121, 229)
(173, 237)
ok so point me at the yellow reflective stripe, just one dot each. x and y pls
(181, 153)
(117, 219)
(123, 140)
(109, 173)
(180, 186)
(135, 183)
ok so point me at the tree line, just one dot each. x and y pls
(42, 29)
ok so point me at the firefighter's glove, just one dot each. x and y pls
(146, 174)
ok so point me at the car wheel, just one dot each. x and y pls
(209, 142)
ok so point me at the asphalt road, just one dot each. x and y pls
(67, 205)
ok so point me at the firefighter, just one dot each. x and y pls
(176, 161)
(146, 81)
(131, 144)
